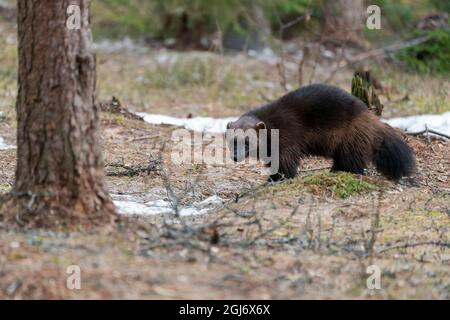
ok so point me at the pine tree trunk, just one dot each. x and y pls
(59, 175)
(344, 21)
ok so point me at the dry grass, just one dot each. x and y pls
(293, 240)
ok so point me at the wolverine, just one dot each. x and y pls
(323, 120)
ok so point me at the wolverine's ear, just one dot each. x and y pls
(260, 125)
(229, 125)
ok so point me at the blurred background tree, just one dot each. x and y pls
(254, 24)
(344, 21)
(174, 18)
(189, 20)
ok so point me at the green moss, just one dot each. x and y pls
(341, 185)
(117, 118)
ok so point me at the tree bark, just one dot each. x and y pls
(59, 174)
(344, 21)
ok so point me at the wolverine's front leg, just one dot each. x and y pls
(288, 169)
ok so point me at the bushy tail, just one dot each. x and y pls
(394, 158)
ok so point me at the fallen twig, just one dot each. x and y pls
(152, 136)
(132, 170)
(439, 243)
(427, 132)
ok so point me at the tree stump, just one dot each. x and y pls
(364, 88)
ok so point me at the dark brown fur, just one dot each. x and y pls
(322, 120)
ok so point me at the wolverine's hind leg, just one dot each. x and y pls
(350, 161)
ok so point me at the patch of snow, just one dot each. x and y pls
(202, 207)
(202, 124)
(4, 146)
(266, 55)
(436, 122)
(160, 206)
(131, 207)
(170, 42)
(165, 56)
(327, 54)
(124, 45)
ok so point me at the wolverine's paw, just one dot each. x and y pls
(277, 177)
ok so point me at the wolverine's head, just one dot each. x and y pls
(242, 137)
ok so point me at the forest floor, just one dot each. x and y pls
(312, 237)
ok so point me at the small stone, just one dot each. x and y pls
(12, 288)
(14, 245)
(215, 250)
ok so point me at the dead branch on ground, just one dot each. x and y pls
(427, 132)
(153, 166)
(439, 243)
